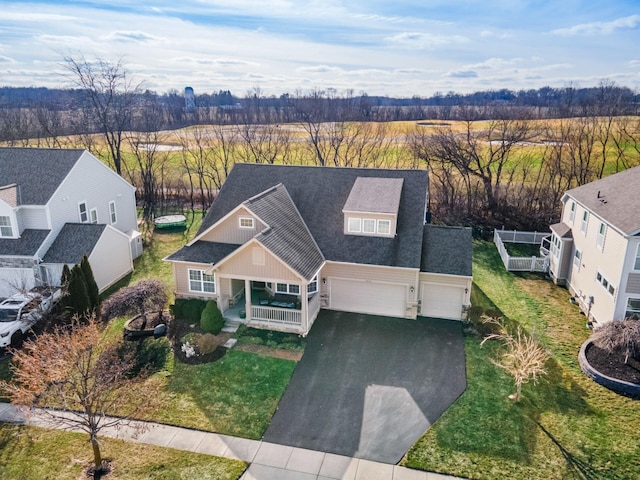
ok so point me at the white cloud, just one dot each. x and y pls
(425, 40)
(34, 17)
(5, 60)
(132, 36)
(493, 34)
(320, 69)
(600, 28)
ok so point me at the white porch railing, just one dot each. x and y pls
(314, 308)
(280, 316)
(521, 264)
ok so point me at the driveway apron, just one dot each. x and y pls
(369, 386)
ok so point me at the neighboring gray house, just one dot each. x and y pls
(595, 249)
(304, 238)
(57, 205)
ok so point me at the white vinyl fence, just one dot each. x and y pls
(521, 264)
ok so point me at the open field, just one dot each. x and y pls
(565, 427)
(31, 452)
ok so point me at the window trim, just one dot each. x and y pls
(287, 290)
(9, 226)
(601, 236)
(383, 221)
(312, 286)
(113, 216)
(93, 212)
(373, 223)
(577, 259)
(354, 219)
(572, 212)
(626, 311)
(86, 211)
(252, 223)
(636, 265)
(584, 225)
(201, 280)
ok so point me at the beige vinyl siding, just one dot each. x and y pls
(606, 261)
(240, 265)
(181, 280)
(111, 258)
(35, 218)
(229, 231)
(372, 216)
(374, 274)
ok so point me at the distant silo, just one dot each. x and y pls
(189, 99)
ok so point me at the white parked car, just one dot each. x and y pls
(19, 313)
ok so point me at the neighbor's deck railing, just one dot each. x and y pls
(521, 264)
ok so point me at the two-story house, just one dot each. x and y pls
(594, 250)
(281, 242)
(57, 205)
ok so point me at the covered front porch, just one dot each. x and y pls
(270, 304)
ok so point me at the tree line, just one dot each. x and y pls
(506, 161)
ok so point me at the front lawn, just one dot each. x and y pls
(30, 452)
(565, 427)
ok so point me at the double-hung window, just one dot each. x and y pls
(289, 288)
(577, 256)
(112, 212)
(636, 266)
(201, 282)
(313, 285)
(601, 234)
(585, 222)
(83, 212)
(633, 308)
(5, 227)
(93, 214)
(572, 212)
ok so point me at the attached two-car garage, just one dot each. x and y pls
(374, 298)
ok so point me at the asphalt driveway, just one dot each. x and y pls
(368, 386)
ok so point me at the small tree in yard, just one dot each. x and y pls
(71, 370)
(90, 282)
(524, 358)
(623, 337)
(140, 298)
(211, 319)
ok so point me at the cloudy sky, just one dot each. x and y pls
(383, 47)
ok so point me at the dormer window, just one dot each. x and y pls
(355, 225)
(247, 222)
(372, 207)
(5, 227)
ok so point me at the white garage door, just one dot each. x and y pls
(441, 301)
(374, 298)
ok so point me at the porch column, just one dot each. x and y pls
(304, 311)
(247, 300)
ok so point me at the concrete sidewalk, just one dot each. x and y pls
(269, 461)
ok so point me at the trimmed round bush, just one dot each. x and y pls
(211, 320)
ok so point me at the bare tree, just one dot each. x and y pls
(111, 95)
(142, 297)
(524, 358)
(72, 370)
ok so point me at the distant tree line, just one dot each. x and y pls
(511, 171)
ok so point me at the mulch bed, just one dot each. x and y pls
(611, 365)
(180, 328)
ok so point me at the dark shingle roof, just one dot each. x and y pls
(36, 171)
(25, 246)
(203, 252)
(74, 241)
(320, 193)
(447, 250)
(287, 235)
(614, 198)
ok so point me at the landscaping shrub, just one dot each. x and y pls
(188, 309)
(207, 343)
(211, 320)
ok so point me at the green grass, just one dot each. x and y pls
(236, 395)
(30, 452)
(565, 427)
(522, 249)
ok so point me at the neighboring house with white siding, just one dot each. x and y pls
(281, 242)
(595, 249)
(57, 205)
